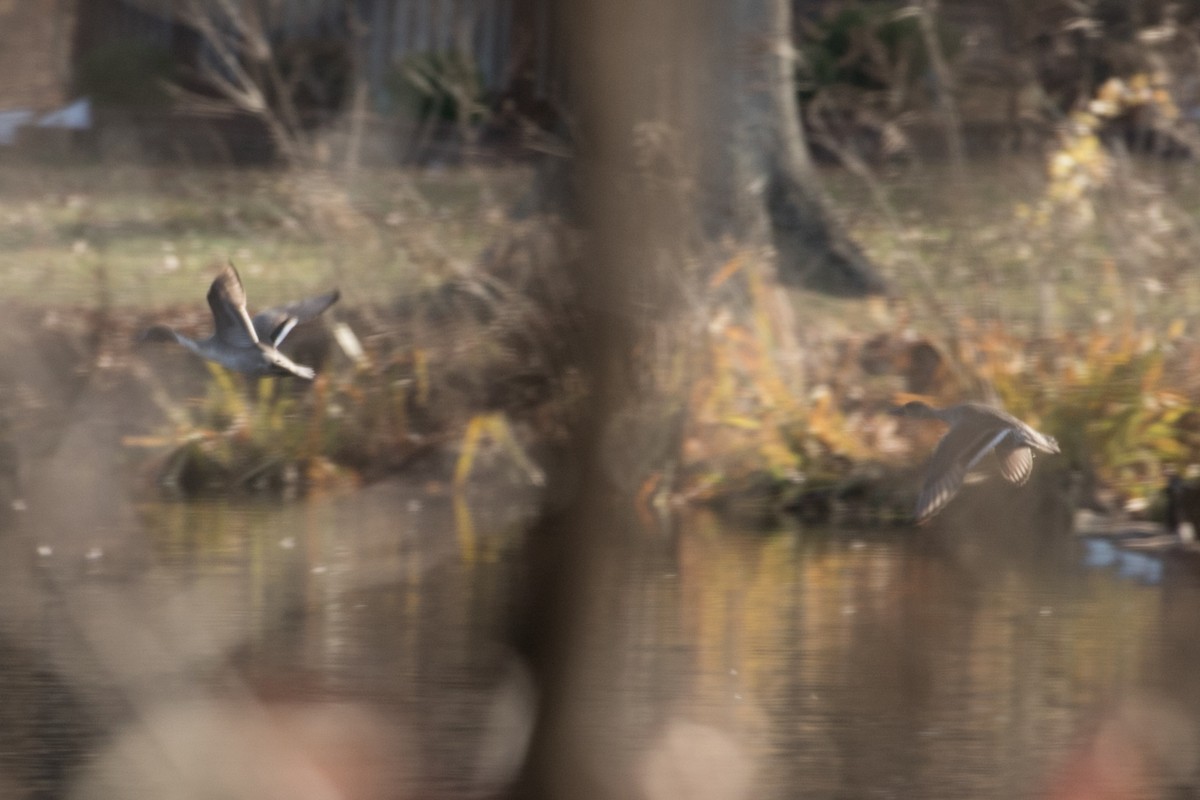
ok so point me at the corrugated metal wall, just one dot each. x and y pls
(488, 30)
(402, 28)
(491, 31)
(398, 29)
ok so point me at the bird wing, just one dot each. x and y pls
(227, 299)
(274, 324)
(1022, 430)
(1016, 461)
(937, 491)
(958, 451)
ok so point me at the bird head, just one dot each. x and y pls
(914, 409)
(157, 333)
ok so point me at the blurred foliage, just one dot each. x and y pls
(1117, 402)
(749, 420)
(862, 69)
(318, 72)
(781, 401)
(444, 86)
(128, 73)
(468, 364)
(868, 46)
(1108, 395)
(493, 428)
(1112, 399)
(247, 436)
(1081, 165)
(780, 405)
(272, 434)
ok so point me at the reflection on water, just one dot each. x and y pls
(1102, 551)
(801, 663)
(878, 666)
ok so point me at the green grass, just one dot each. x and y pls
(156, 235)
(972, 255)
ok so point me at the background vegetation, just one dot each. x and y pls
(1035, 231)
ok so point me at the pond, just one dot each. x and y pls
(360, 640)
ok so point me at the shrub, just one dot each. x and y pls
(127, 74)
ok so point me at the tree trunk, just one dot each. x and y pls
(944, 93)
(758, 156)
(725, 84)
(559, 626)
(667, 97)
(357, 31)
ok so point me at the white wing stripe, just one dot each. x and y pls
(987, 448)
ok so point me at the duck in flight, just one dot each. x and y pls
(242, 343)
(976, 430)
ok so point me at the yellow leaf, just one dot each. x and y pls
(727, 271)
(146, 441)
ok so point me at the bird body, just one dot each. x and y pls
(242, 343)
(976, 430)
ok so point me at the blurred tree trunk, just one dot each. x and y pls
(944, 92)
(360, 97)
(560, 625)
(725, 82)
(665, 95)
(756, 155)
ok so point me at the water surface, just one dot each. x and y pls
(802, 662)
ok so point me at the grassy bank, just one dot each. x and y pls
(155, 233)
(1079, 315)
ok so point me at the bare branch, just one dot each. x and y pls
(247, 73)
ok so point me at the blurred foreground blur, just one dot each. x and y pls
(596, 493)
(355, 648)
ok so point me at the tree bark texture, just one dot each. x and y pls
(558, 625)
(705, 100)
(759, 155)
(722, 80)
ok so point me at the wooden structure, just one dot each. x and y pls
(35, 53)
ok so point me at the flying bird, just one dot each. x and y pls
(976, 430)
(242, 343)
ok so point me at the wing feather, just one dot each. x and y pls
(1016, 462)
(938, 491)
(958, 451)
(274, 324)
(227, 299)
